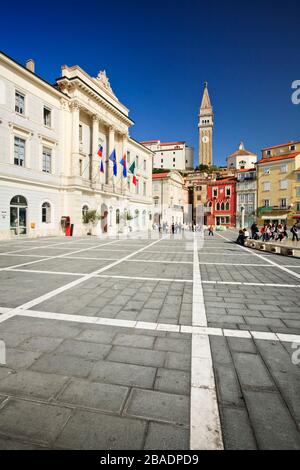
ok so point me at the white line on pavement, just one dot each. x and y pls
(205, 427)
(75, 283)
(184, 329)
(283, 268)
(51, 258)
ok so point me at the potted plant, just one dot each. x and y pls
(91, 218)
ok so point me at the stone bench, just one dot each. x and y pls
(284, 250)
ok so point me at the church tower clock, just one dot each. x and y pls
(205, 125)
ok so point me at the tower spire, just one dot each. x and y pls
(205, 125)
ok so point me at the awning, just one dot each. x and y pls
(274, 217)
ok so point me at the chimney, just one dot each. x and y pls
(30, 65)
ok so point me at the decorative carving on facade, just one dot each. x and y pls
(104, 81)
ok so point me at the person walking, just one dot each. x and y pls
(210, 231)
(294, 231)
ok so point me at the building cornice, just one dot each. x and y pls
(31, 75)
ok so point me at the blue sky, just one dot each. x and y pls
(157, 55)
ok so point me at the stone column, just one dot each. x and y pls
(75, 139)
(95, 159)
(109, 166)
(124, 152)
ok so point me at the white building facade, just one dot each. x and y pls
(246, 197)
(170, 198)
(242, 159)
(171, 155)
(49, 166)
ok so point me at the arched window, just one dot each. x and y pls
(46, 213)
(18, 201)
(218, 206)
(117, 216)
(227, 206)
(222, 206)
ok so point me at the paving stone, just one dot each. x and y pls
(148, 314)
(40, 423)
(271, 322)
(284, 372)
(83, 349)
(104, 397)
(98, 336)
(135, 341)
(173, 381)
(93, 431)
(32, 384)
(123, 374)
(41, 343)
(137, 356)
(12, 340)
(236, 429)
(219, 349)
(158, 406)
(228, 388)
(19, 359)
(166, 437)
(5, 371)
(252, 371)
(241, 345)
(177, 345)
(273, 425)
(223, 319)
(63, 365)
(13, 444)
(178, 361)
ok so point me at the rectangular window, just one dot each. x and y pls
(266, 186)
(80, 133)
(266, 202)
(174, 160)
(298, 191)
(145, 165)
(283, 168)
(298, 206)
(19, 103)
(47, 117)
(215, 192)
(80, 167)
(268, 153)
(283, 184)
(266, 171)
(144, 189)
(283, 203)
(161, 160)
(298, 177)
(292, 147)
(47, 157)
(19, 151)
(228, 191)
(128, 158)
(137, 161)
(137, 186)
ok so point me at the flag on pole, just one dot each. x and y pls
(100, 151)
(132, 170)
(101, 167)
(113, 158)
(124, 164)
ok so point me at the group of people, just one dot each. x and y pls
(275, 232)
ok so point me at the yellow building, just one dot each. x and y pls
(278, 184)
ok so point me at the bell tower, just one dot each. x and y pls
(205, 125)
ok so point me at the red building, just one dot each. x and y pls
(221, 202)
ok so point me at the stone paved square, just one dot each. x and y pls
(114, 360)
